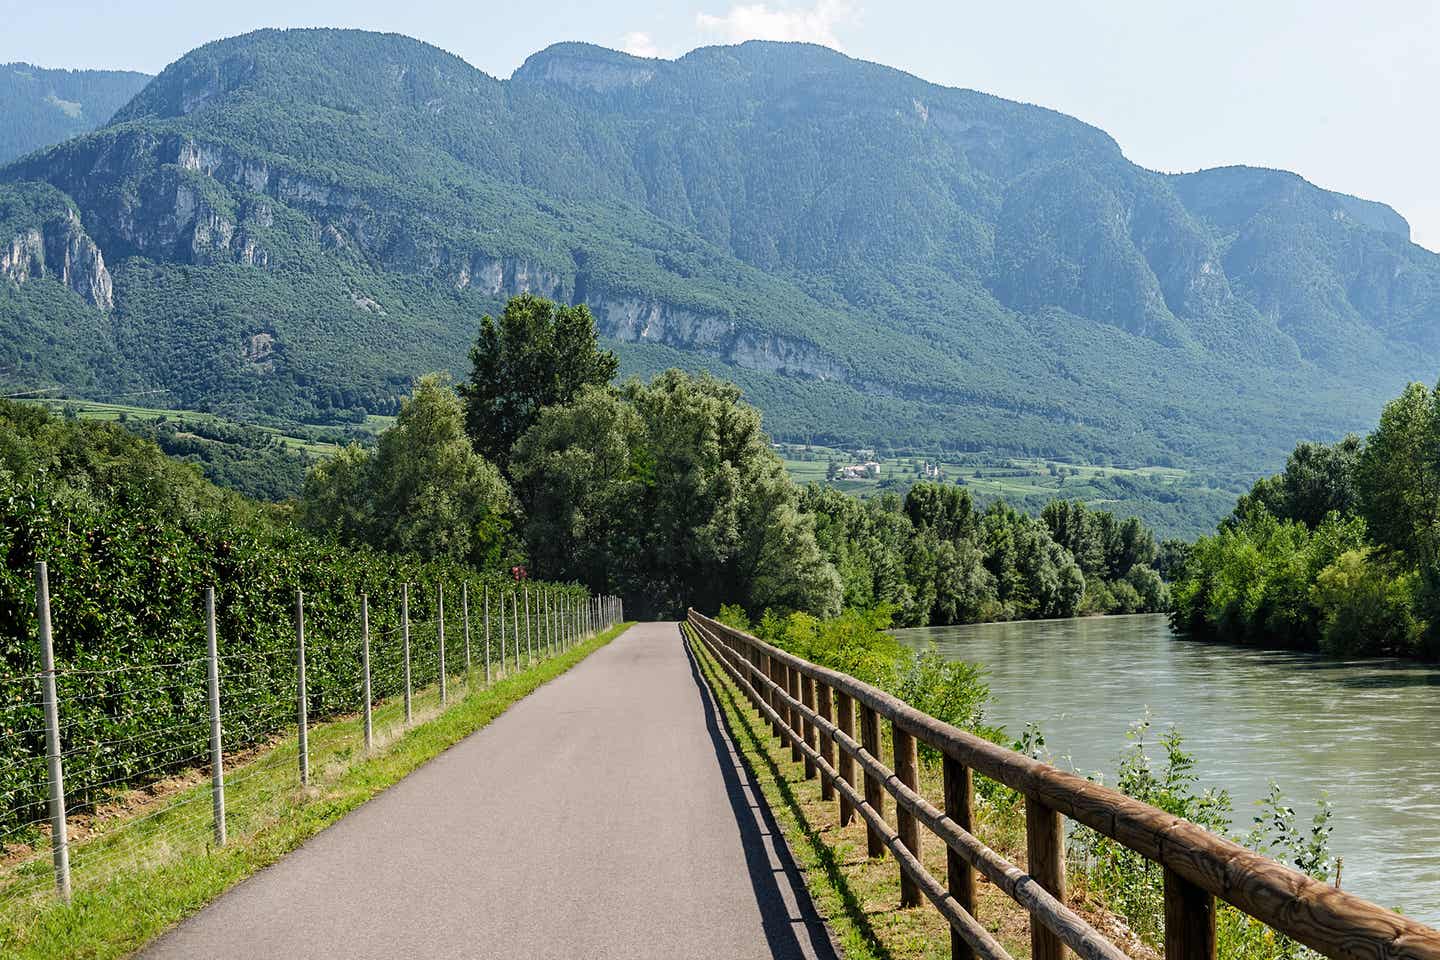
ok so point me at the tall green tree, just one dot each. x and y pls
(1318, 478)
(423, 490)
(538, 353)
(669, 493)
(1398, 475)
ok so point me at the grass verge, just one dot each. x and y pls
(859, 897)
(144, 869)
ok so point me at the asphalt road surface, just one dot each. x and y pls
(604, 816)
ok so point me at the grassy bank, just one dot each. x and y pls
(150, 861)
(858, 896)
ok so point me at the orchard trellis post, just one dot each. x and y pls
(217, 755)
(301, 706)
(365, 671)
(59, 841)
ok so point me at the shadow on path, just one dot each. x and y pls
(792, 926)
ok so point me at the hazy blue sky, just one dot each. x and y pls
(1341, 92)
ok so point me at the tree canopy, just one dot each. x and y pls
(538, 353)
(423, 490)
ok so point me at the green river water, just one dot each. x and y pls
(1365, 732)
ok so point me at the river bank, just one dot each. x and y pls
(1362, 731)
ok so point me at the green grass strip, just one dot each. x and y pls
(141, 875)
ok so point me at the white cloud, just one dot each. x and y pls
(639, 44)
(760, 21)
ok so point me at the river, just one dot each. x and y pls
(1365, 732)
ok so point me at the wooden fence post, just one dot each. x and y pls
(792, 714)
(874, 792)
(827, 746)
(807, 697)
(772, 670)
(959, 875)
(907, 771)
(1189, 920)
(1045, 854)
(845, 707)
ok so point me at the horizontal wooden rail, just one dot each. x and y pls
(1198, 865)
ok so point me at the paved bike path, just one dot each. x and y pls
(604, 816)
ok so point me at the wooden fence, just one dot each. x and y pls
(814, 709)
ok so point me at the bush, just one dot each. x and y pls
(1366, 607)
(1134, 887)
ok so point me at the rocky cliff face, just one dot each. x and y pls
(60, 250)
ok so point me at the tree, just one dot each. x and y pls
(947, 511)
(538, 353)
(423, 490)
(1318, 478)
(675, 486)
(1398, 476)
(1366, 607)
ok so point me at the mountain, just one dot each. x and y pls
(292, 224)
(40, 107)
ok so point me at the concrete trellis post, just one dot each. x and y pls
(487, 634)
(217, 755)
(302, 708)
(405, 642)
(529, 628)
(465, 618)
(365, 670)
(502, 629)
(440, 632)
(515, 622)
(59, 841)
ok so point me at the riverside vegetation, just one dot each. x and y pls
(1340, 552)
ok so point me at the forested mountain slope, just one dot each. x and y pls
(40, 107)
(295, 223)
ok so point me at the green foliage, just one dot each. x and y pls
(131, 539)
(935, 559)
(1129, 883)
(856, 642)
(1399, 475)
(1250, 583)
(1133, 886)
(1358, 580)
(537, 354)
(1318, 479)
(668, 494)
(1366, 607)
(422, 491)
(43, 107)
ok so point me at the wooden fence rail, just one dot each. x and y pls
(796, 696)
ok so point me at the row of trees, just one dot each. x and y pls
(669, 493)
(1340, 552)
(935, 558)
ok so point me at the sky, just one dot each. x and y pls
(1342, 93)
